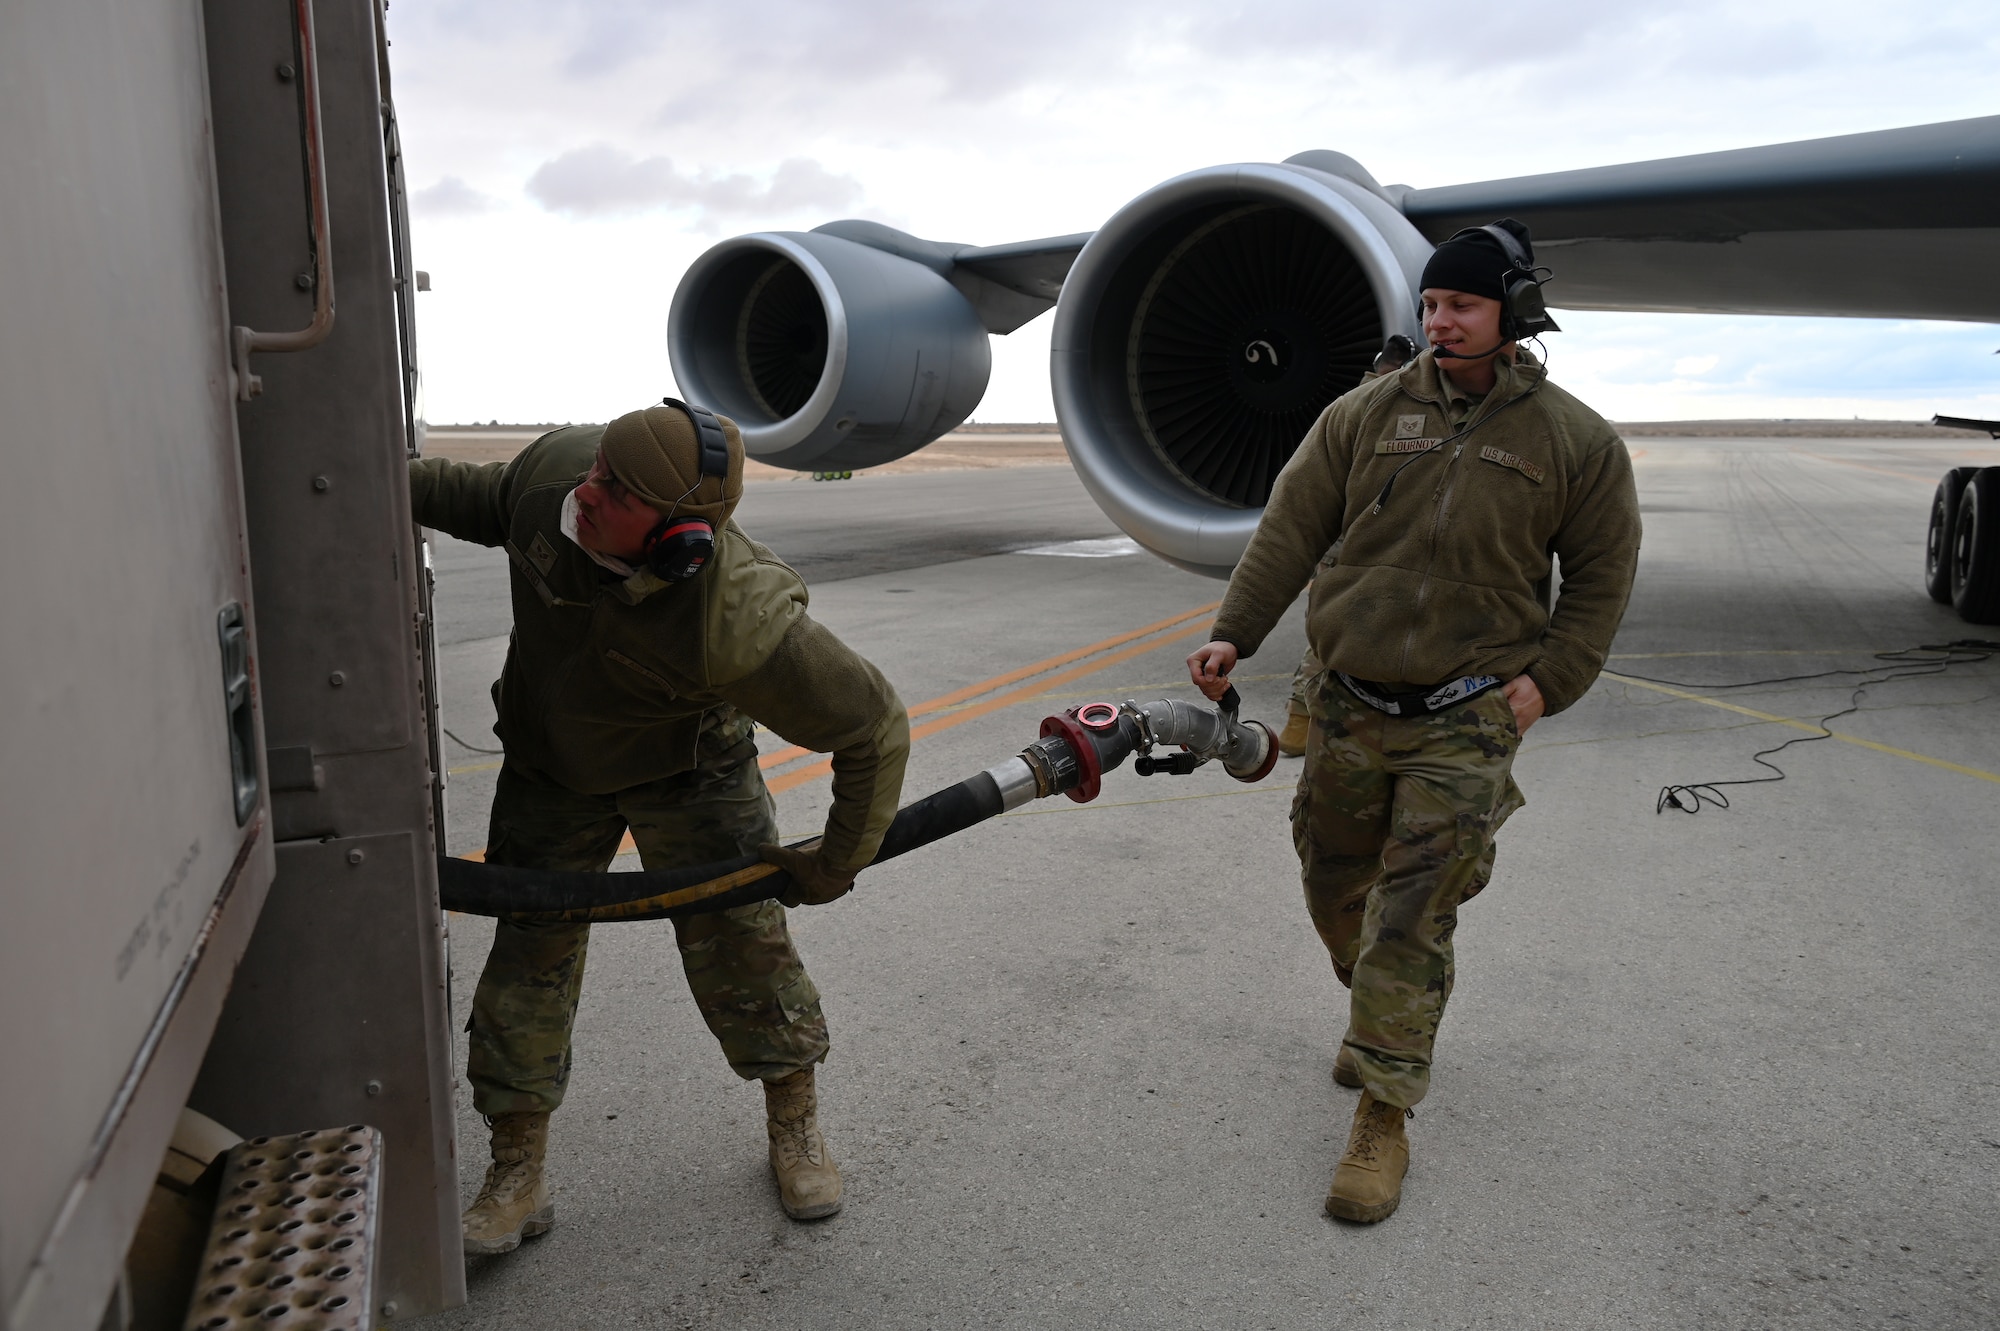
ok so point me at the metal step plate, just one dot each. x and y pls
(292, 1244)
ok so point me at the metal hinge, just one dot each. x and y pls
(234, 636)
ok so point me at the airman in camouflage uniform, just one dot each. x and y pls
(631, 683)
(1450, 486)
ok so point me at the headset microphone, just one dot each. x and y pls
(677, 550)
(1445, 353)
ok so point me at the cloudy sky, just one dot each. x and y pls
(568, 160)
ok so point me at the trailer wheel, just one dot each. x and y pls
(1938, 543)
(1975, 549)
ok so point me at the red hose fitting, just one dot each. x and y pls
(1089, 771)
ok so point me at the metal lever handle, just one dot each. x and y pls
(243, 340)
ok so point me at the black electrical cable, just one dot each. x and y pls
(1975, 650)
(474, 747)
(1690, 797)
(1438, 447)
(1457, 438)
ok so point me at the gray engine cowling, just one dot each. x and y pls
(1205, 327)
(827, 353)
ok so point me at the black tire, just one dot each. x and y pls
(1975, 549)
(1937, 544)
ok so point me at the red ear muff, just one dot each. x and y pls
(679, 549)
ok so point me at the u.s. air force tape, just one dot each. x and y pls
(1529, 469)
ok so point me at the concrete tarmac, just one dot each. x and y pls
(1730, 1070)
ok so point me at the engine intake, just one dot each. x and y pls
(1205, 327)
(824, 351)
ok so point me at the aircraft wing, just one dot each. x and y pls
(1010, 284)
(1031, 267)
(1899, 223)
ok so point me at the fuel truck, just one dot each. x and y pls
(220, 755)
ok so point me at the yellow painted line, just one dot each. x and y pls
(799, 776)
(958, 697)
(1802, 651)
(1810, 728)
(1863, 466)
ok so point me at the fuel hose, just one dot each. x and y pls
(1070, 757)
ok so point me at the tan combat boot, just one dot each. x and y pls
(1292, 739)
(1346, 1072)
(808, 1180)
(1368, 1182)
(514, 1204)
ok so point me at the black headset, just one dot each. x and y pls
(1398, 350)
(677, 549)
(1524, 311)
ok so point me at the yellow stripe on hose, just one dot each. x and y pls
(685, 896)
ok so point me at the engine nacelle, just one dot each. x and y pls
(1205, 327)
(826, 353)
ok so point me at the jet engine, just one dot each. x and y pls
(1204, 328)
(827, 351)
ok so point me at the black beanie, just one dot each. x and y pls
(1475, 262)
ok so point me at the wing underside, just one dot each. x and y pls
(1900, 223)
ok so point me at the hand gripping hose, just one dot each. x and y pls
(1076, 748)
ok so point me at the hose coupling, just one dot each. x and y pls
(1205, 732)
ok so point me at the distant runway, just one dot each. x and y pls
(1737, 1070)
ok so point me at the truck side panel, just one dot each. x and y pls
(340, 1014)
(129, 880)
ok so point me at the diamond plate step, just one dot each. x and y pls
(292, 1244)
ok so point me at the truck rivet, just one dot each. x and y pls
(321, 484)
(285, 72)
(303, 281)
(337, 678)
(356, 855)
(373, 1088)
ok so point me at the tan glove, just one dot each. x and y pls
(814, 882)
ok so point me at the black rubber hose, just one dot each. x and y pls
(473, 888)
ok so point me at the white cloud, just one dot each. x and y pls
(601, 180)
(450, 197)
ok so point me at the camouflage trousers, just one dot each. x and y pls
(1304, 681)
(1394, 822)
(745, 974)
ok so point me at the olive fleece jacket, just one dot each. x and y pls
(607, 679)
(1443, 580)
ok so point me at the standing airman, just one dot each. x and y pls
(1451, 486)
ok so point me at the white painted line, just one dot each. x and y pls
(1101, 547)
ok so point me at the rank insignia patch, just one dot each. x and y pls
(541, 554)
(1409, 427)
(1500, 455)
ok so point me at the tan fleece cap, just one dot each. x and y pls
(653, 454)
